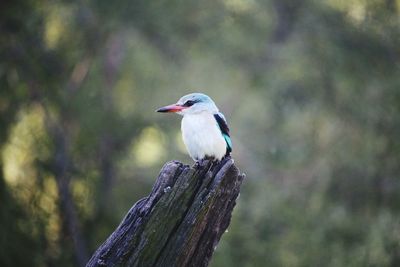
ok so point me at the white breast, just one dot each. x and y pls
(202, 136)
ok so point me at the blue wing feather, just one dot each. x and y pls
(223, 126)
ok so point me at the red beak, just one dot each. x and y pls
(171, 108)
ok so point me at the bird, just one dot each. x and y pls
(205, 131)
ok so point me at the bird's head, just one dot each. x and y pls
(191, 104)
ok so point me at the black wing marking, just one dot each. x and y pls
(223, 126)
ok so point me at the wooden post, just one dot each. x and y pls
(180, 223)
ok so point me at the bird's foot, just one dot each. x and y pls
(202, 162)
(210, 158)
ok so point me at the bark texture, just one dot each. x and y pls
(180, 223)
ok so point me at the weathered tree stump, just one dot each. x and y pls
(180, 223)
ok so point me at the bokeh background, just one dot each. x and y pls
(311, 90)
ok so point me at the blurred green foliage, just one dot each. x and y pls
(311, 90)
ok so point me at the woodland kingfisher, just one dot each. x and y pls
(204, 129)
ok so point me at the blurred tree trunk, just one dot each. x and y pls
(114, 53)
(61, 169)
(180, 223)
(286, 16)
(61, 166)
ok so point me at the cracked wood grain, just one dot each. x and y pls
(182, 220)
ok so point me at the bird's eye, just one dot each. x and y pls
(189, 103)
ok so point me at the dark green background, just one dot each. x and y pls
(311, 90)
